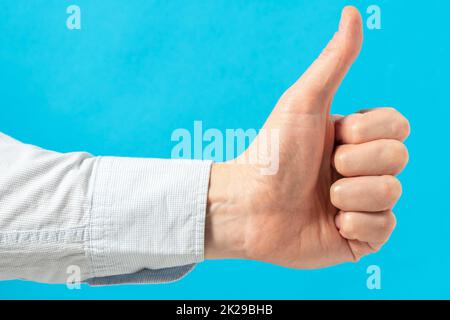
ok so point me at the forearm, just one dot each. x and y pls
(108, 216)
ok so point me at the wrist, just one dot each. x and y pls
(225, 219)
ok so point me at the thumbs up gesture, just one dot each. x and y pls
(331, 199)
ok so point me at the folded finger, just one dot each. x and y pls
(365, 194)
(366, 227)
(372, 124)
(379, 157)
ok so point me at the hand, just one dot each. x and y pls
(330, 201)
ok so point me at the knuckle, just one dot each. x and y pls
(396, 154)
(388, 223)
(403, 156)
(400, 125)
(386, 226)
(392, 222)
(391, 190)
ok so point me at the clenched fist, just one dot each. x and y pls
(331, 199)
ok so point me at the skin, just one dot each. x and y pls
(331, 200)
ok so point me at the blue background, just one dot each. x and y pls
(140, 69)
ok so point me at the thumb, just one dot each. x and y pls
(322, 79)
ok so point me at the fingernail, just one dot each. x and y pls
(341, 22)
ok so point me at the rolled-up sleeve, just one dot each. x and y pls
(118, 220)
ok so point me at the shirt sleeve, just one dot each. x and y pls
(112, 220)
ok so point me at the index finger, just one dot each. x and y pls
(372, 124)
